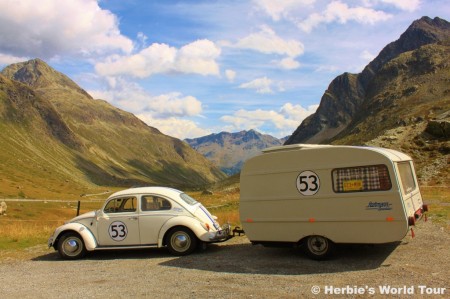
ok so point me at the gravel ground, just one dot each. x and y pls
(236, 269)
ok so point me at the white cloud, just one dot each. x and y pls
(198, 57)
(9, 59)
(280, 8)
(367, 56)
(169, 112)
(408, 5)
(297, 112)
(289, 63)
(261, 85)
(176, 127)
(132, 97)
(268, 42)
(53, 27)
(173, 104)
(231, 75)
(286, 120)
(340, 12)
(327, 69)
(157, 58)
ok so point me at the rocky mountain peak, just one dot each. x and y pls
(347, 93)
(421, 32)
(230, 150)
(39, 75)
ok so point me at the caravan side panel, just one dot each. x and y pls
(272, 209)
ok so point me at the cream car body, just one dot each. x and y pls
(140, 218)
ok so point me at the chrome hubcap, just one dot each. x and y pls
(72, 246)
(180, 241)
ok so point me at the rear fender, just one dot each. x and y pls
(89, 240)
(192, 223)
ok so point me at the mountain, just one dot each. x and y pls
(348, 94)
(54, 135)
(393, 101)
(230, 150)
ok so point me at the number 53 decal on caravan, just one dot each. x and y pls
(308, 183)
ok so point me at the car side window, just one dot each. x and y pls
(121, 205)
(154, 203)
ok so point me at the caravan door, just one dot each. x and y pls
(410, 190)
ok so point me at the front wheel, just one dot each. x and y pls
(318, 247)
(71, 246)
(181, 241)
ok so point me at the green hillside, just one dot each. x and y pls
(56, 140)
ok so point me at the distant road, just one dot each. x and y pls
(47, 200)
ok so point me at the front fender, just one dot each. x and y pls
(88, 238)
(193, 224)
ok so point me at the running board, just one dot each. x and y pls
(126, 247)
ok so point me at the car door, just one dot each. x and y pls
(118, 225)
(155, 211)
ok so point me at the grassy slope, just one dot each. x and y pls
(58, 142)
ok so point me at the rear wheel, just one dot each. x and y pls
(181, 241)
(318, 247)
(71, 246)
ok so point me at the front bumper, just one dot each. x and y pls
(51, 240)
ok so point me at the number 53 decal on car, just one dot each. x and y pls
(118, 231)
(308, 183)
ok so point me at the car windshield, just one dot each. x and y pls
(187, 199)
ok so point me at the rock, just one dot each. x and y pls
(390, 138)
(3, 208)
(438, 128)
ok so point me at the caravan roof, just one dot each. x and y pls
(389, 153)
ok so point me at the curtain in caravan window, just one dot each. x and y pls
(360, 179)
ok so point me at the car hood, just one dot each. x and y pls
(83, 216)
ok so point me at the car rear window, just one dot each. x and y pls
(187, 199)
(361, 179)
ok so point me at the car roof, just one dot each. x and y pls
(167, 191)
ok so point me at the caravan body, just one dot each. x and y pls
(342, 194)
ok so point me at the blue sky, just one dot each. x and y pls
(192, 68)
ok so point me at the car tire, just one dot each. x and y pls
(181, 241)
(71, 246)
(318, 247)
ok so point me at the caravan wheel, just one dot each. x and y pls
(318, 247)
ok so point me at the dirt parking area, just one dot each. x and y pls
(415, 267)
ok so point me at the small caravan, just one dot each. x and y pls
(320, 195)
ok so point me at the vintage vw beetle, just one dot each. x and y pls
(140, 218)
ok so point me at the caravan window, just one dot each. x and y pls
(407, 177)
(361, 179)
